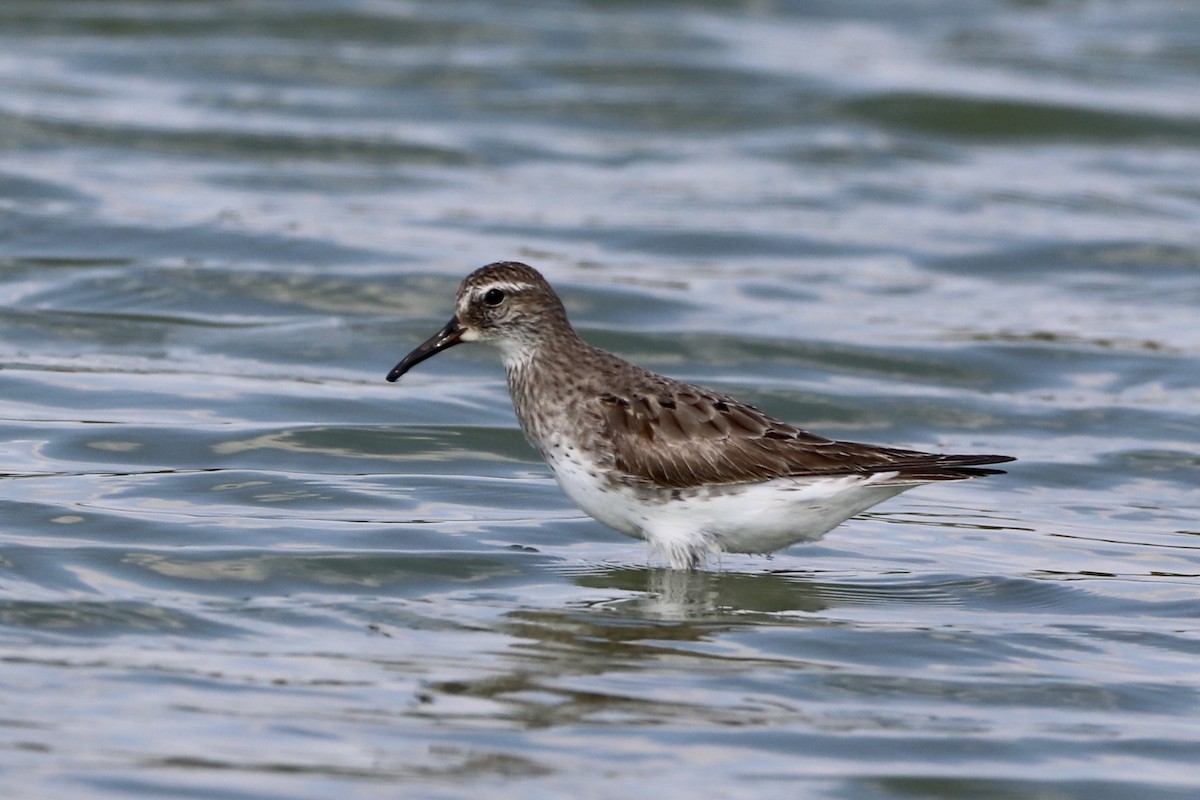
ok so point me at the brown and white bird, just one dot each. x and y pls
(692, 471)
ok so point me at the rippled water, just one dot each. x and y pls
(234, 563)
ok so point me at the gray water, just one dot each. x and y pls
(235, 563)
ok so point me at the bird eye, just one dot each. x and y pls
(494, 297)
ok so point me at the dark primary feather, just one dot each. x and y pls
(705, 438)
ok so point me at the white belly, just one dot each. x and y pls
(746, 518)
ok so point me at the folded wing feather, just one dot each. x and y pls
(700, 437)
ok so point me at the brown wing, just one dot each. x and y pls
(680, 436)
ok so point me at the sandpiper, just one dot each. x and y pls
(692, 471)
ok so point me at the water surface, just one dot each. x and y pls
(235, 563)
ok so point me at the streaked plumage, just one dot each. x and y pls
(692, 471)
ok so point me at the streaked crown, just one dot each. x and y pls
(508, 301)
